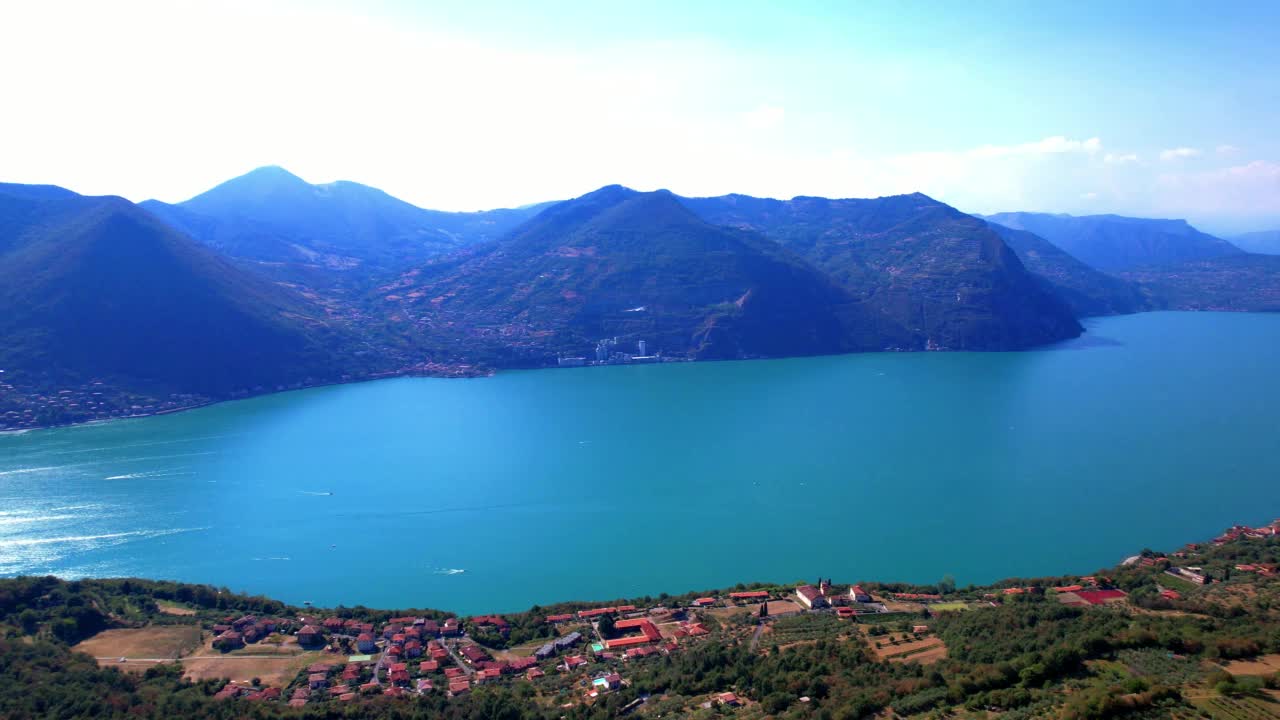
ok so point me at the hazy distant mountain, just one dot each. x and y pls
(943, 274)
(272, 215)
(639, 266)
(1114, 242)
(1243, 282)
(1266, 242)
(97, 288)
(1089, 292)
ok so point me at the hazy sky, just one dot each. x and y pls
(1161, 109)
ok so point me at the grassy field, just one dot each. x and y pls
(172, 608)
(948, 606)
(1177, 583)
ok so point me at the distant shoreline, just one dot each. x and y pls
(481, 372)
(249, 396)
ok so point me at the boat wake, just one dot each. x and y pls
(138, 475)
(146, 534)
(450, 571)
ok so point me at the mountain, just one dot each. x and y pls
(95, 288)
(271, 215)
(941, 273)
(636, 266)
(1266, 242)
(1089, 292)
(1114, 242)
(1242, 283)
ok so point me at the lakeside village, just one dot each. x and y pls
(46, 402)
(588, 652)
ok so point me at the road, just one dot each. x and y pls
(116, 658)
(466, 668)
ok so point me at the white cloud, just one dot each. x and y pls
(1252, 189)
(1228, 149)
(1089, 196)
(764, 117)
(1179, 153)
(1120, 158)
(1049, 145)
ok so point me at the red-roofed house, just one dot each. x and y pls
(1101, 597)
(810, 597)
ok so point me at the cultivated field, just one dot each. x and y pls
(1262, 665)
(927, 650)
(1241, 708)
(141, 647)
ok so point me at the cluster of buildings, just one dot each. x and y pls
(607, 353)
(233, 633)
(24, 407)
(815, 597)
(1238, 532)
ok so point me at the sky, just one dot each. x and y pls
(1162, 109)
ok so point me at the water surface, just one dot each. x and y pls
(599, 483)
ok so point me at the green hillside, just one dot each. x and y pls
(98, 289)
(1114, 242)
(1089, 292)
(637, 266)
(944, 275)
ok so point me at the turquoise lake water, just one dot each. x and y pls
(601, 483)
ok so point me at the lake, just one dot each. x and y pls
(493, 494)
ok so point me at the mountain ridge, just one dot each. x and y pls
(97, 288)
(640, 266)
(929, 266)
(270, 215)
(1117, 242)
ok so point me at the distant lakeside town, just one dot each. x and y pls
(96, 400)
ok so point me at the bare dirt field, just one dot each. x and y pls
(153, 642)
(273, 671)
(1261, 665)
